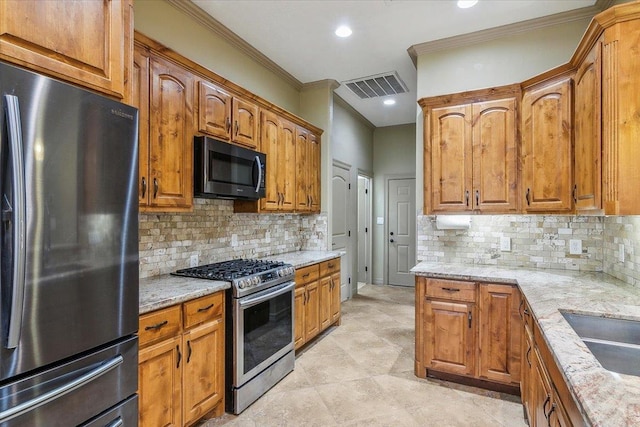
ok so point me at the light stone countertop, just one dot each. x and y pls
(606, 398)
(166, 290)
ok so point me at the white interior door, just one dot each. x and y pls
(340, 237)
(364, 229)
(401, 229)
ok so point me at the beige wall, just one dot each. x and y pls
(166, 24)
(393, 154)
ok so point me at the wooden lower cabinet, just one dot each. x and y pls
(316, 300)
(545, 395)
(468, 330)
(181, 363)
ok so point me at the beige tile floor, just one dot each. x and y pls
(361, 374)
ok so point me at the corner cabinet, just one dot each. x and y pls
(308, 171)
(316, 300)
(163, 93)
(86, 43)
(181, 362)
(471, 151)
(468, 332)
(547, 151)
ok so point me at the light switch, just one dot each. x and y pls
(505, 244)
(575, 247)
(380, 220)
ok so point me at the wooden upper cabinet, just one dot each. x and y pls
(451, 163)
(140, 100)
(87, 43)
(269, 144)
(287, 156)
(587, 124)
(620, 118)
(245, 123)
(170, 136)
(314, 173)
(547, 147)
(214, 112)
(495, 156)
(225, 116)
(471, 153)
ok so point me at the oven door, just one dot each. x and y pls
(262, 330)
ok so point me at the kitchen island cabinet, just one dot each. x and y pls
(181, 373)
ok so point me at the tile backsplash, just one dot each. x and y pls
(538, 241)
(214, 233)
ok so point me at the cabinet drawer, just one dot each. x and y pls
(329, 267)
(159, 325)
(307, 274)
(203, 309)
(451, 290)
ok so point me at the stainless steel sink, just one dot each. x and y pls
(614, 342)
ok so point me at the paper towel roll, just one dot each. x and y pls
(453, 222)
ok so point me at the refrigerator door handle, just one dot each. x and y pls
(14, 132)
(57, 392)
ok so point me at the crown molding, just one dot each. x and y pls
(202, 17)
(321, 84)
(505, 30)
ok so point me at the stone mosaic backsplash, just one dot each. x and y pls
(214, 233)
(537, 241)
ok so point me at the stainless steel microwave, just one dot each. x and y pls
(227, 171)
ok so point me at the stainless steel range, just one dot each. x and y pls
(259, 325)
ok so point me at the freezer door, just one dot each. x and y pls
(123, 415)
(69, 232)
(76, 392)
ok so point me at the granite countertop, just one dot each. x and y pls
(605, 398)
(166, 290)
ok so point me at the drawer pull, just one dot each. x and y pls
(179, 356)
(451, 289)
(306, 275)
(189, 351)
(331, 265)
(156, 326)
(200, 310)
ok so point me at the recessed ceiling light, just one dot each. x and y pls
(389, 101)
(465, 4)
(343, 31)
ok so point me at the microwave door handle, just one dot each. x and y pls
(17, 218)
(259, 163)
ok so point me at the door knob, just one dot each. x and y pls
(391, 233)
(391, 240)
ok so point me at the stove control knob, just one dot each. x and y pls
(255, 280)
(281, 272)
(242, 283)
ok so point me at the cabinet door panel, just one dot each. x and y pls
(588, 173)
(270, 145)
(85, 44)
(299, 319)
(303, 164)
(214, 111)
(245, 126)
(451, 164)
(494, 156)
(140, 100)
(335, 296)
(203, 384)
(500, 332)
(312, 311)
(314, 173)
(286, 167)
(449, 341)
(159, 384)
(171, 134)
(325, 302)
(546, 148)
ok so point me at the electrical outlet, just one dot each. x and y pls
(193, 260)
(621, 252)
(505, 244)
(575, 247)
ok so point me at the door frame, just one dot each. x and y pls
(385, 264)
(368, 277)
(346, 267)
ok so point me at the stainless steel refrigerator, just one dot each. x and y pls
(69, 255)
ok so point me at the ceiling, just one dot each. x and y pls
(298, 36)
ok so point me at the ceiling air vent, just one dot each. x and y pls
(379, 85)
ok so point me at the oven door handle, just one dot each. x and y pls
(266, 295)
